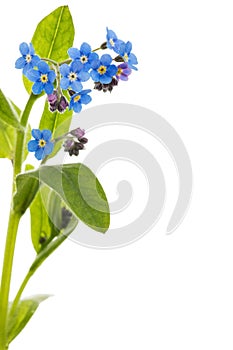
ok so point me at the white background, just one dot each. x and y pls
(162, 292)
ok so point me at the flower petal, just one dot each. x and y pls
(33, 75)
(48, 88)
(85, 48)
(65, 69)
(43, 67)
(105, 79)
(74, 53)
(51, 76)
(106, 59)
(77, 107)
(83, 92)
(36, 133)
(35, 60)
(95, 64)
(31, 49)
(128, 47)
(46, 135)
(39, 154)
(133, 59)
(32, 145)
(111, 34)
(64, 83)
(95, 75)
(20, 63)
(85, 99)
(76, 66)
(76, 86)
(112, 70)
(26, 68)
(24, 49)
(83, 76)
(37, 88)
(93, 57)
(48, 148)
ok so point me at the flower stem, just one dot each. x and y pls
(18, 160)
(13, 224)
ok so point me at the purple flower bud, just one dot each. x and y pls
(79, 133)
(62, 105)
(83, 140)
(68, 144)
(52, 98)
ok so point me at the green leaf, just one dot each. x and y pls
(27, 188)
(23, 312)
(47, 218)
(77, 186)
(8, 114)
(8, 136)
(7, 141)
(53, 36)
(57, 123)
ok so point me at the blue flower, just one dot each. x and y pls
(43, 78)
(124, 51)
(73, 75)
(103, 71)
(112, 39)
(84, 55)
(78, 99)
(28, 60)
(42, 146)
(123, 72)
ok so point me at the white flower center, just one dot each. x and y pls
(126, 57)
(28, 58)
(111, 42)
(72, 76)
(84, 59)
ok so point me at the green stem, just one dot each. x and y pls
(35, 265)
(13, 224)
(21, 135)
(6, 274)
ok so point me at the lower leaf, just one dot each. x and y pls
(22, 314)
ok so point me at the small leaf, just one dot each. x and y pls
(78, 188)
(8, 136)
(8, 114)
(53, 36)
(7, 141)
(58, 124)
(22, 314)
(47, 218)
(27, 188)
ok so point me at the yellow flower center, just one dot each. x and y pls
(83, 59)
(102, 69)
(77, 98)
(28, 58)
(72, 76)
(42, 143)
(120, 70)
(126, 57)
(44, 78)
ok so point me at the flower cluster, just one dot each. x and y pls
(63, 81)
